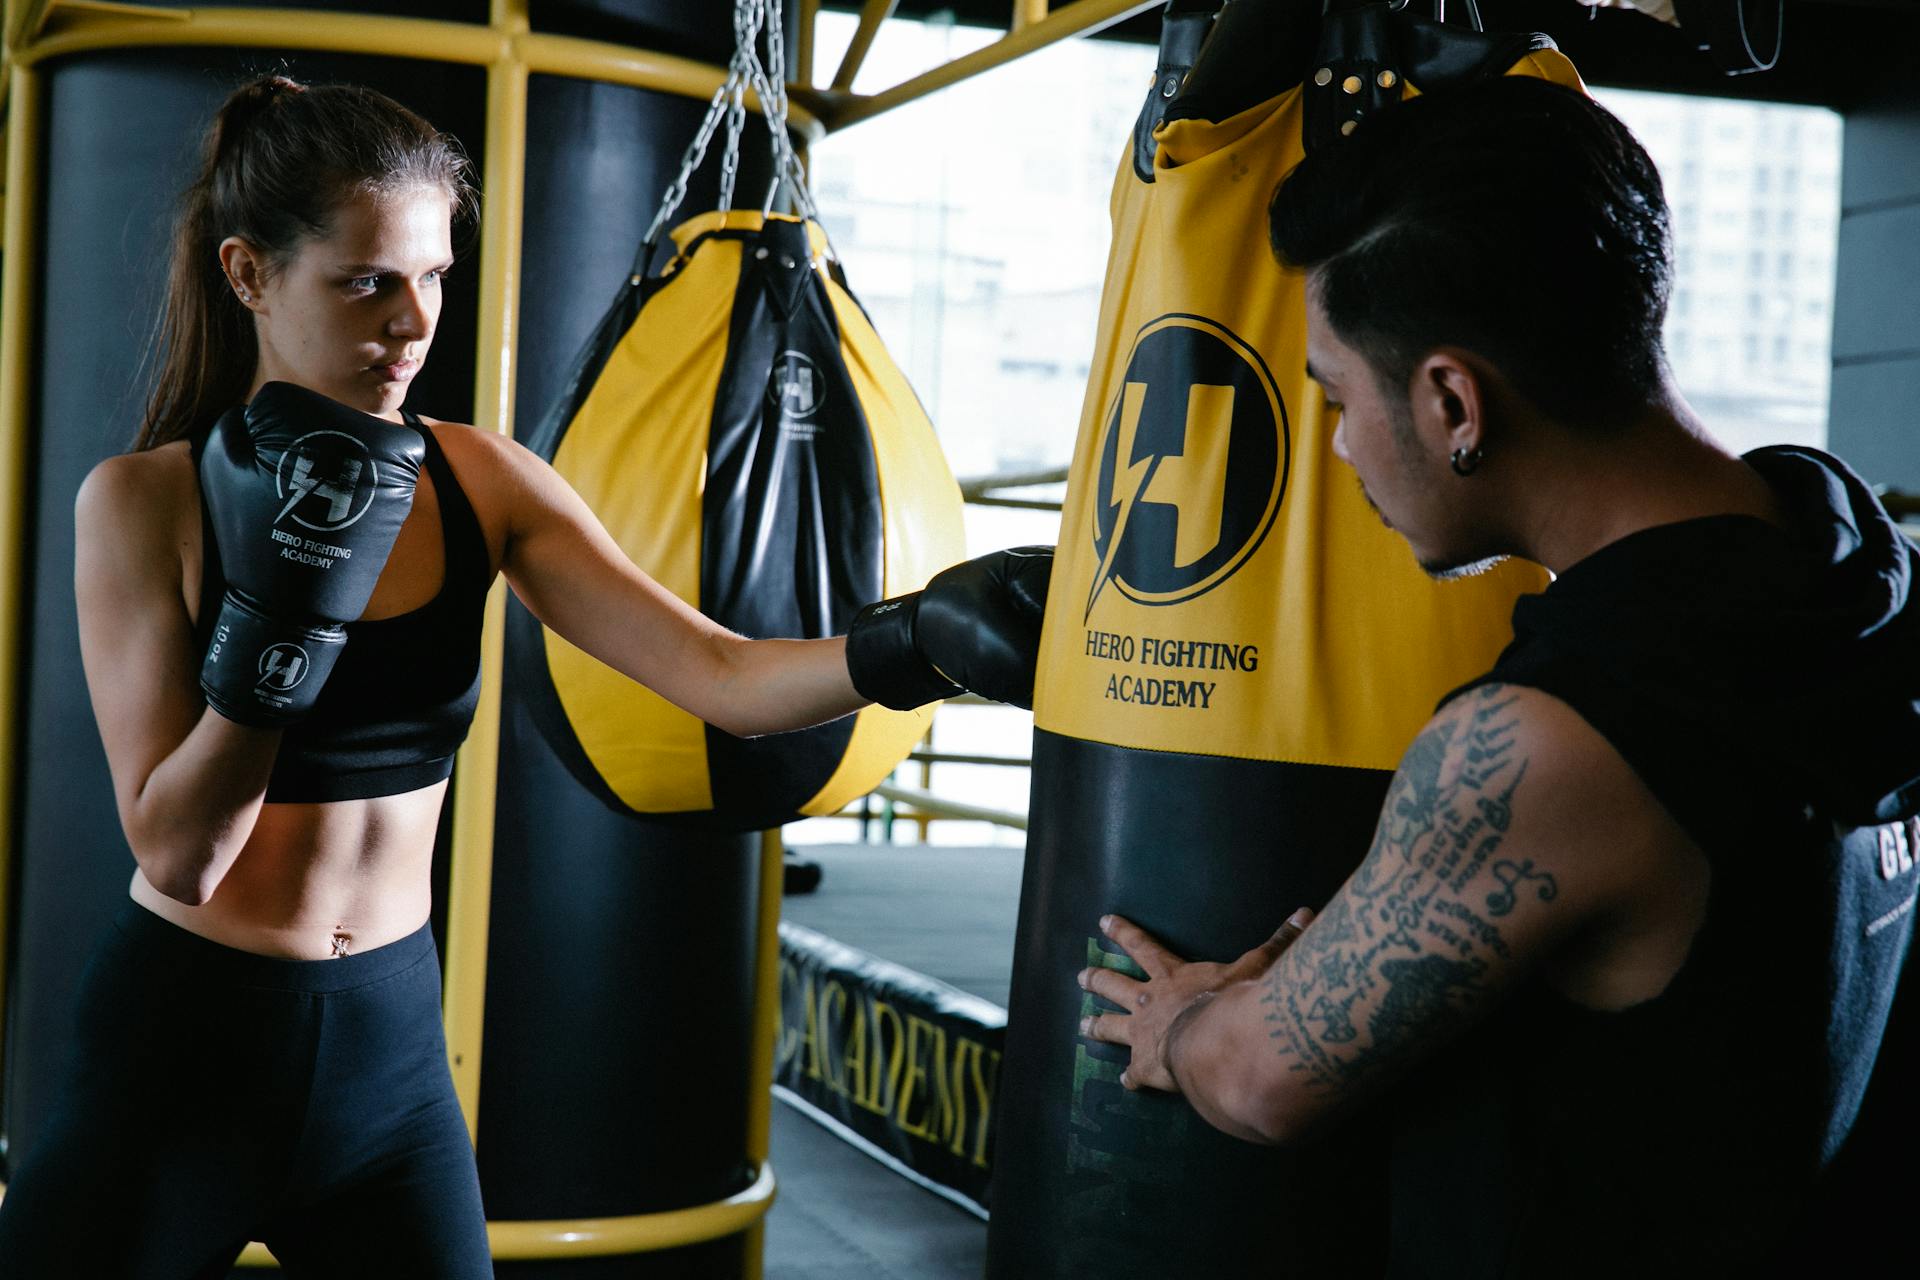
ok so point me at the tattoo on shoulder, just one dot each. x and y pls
(1405, 943)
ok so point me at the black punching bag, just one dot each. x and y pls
(1235, 655)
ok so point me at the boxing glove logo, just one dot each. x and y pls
(1193, 464)
(326, 481)
(282, 667)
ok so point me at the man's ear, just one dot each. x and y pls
(245, 270)
(1449, 399)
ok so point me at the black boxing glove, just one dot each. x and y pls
(305, 497)
(974, 627)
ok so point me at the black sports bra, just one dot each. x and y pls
(402, 694)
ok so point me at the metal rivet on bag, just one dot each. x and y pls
(1352, 84)
(1323, 77)
(1388, 79)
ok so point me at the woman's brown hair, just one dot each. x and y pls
(277, 161)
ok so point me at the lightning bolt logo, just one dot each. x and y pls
(302, 483)
(1130, 481)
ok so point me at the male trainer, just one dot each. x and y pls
(1625, 949)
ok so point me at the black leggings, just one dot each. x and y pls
(218, 1096)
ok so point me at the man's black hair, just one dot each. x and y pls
(1513, 217)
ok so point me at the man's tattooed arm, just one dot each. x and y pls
(1510, 828)
(1514, 837)
(1420, 933)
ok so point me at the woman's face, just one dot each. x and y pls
(352, 313)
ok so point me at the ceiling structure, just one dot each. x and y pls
(1837, 53)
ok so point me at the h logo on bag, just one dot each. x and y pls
(794, 386)
(1193, 464)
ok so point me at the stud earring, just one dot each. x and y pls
(1467, 461)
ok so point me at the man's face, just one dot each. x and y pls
(1397, 446)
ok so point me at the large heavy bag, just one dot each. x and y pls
(1235, 654)
(740, 430)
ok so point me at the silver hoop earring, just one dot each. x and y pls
(1467, 461)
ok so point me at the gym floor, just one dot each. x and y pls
(945, 912)
(842, 1215)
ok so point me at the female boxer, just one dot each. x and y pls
(280, 611)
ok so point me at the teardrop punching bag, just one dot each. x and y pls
(620, 953)
(1235, 654)
(740, 430)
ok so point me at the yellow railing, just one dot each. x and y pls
(72, 28)
(1083, 17)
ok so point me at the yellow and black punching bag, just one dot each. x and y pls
(741, 432)
(1235, 654)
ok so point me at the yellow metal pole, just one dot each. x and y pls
(1027, 12)
(643, 1233)
(804, 45)
(606, 1237)
(24, 20)
(19, 260)
(476, 774)
(1082, 17)
(875, 13)
(89, 28)
(76, 28)
(923, 819)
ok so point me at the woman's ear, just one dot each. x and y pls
(245, 270)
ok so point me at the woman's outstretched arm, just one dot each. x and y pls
(577, 581)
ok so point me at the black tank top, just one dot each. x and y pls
(402, 694)
(1764, 685)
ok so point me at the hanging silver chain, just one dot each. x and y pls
(728, 102)
(748, 15)
(769, 84)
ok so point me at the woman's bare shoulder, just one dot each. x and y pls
(494, 472)
(494, 467)
(145, 486)
(473, 441)
(137, 519)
